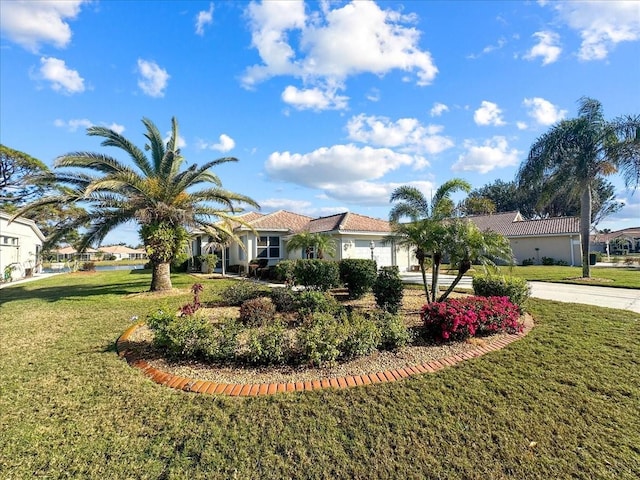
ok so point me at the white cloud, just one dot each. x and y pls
(62, 78)
(303, 207)
(33, 23)
(601, 24)
(73, 124)
(547, 48)
(181, 141)
(338, 164)
(493, 153)
(204, 17)
(521, 125)
(489, 48)
(153, 79)
(116, 128)
(333, 44)
(408, 134)
(314, 99)
(543, 111)
(225, 144)
(438, 109)
(373, 95)
(371, 193)
(488, 114)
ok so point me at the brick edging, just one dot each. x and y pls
(242, 390)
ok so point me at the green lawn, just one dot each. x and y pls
(69, 407)
(626, 277)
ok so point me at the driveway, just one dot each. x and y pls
(622, 298)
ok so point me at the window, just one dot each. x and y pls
(9, 240)
(268, 247)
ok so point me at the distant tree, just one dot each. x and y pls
(574, 153)
(504, 195)
(158, 194)
(477, 206)
(18, 171)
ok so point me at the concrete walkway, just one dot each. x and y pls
(622, 298)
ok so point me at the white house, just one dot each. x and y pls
(122, 252)
(20, 247)
(265, 236)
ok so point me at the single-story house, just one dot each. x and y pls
(620, 242)
(65, 254)
(122, 252)
(555, 237)
(20, 247)
(356, 236)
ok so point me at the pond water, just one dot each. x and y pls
(99, 268)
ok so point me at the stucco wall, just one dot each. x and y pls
(558, 248)
(20, 244)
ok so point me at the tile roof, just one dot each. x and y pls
(633, 232)
(518, 227)
(119, 249)
(69, 250)
(280, 220)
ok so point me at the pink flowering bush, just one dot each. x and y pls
(460, 318)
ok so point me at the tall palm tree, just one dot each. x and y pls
(155, 192)
(424, 231)
(575, 153)
(309, 242)
(467, 245)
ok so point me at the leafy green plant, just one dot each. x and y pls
(394, 334)
(268, 345)
(257, 312)
(210, 260)
(361, 336)
(528, 262)
(358, 275)
(517, 289)
(88, 267)
(284, 271)
(309, 302)
(319, 339)
(187, 336)
(317, 274)
(224, 344)
(239, 292)
(284, 299)
(388, 290)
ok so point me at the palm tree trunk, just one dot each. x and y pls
(463, 268)
(424, 279)
(585, 228)
(435, 273)
(161, 277)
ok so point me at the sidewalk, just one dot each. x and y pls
(37, 276)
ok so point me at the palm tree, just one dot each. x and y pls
(310, 242)
(425, 228)
(575, 153)
(467, 245)
(157, 194)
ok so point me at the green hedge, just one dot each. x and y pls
(358, 275)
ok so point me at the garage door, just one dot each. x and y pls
(381, 252)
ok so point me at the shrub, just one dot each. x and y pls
(358, 275)
(284, 299)
(317, 274)
(388, 290)
(284, 271)
(562, 263)
(268, 346)
(224, 342)
(194, 306)
(460, 318)
(257, 312)
(188, 336)
(240, 292)
(180, 262)
(527, 262)
(236, 268)
(548, 261)
(210, 260)
(309, 302)
(517, 289)
(319, 339)
(394, 334)
(88, 267)
(361, 336)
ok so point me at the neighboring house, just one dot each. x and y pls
(122, 252)
(266, 235)
(556, 237)
(20, 246)
(620, 242)
(68, 253)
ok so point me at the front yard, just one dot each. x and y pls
(560, 403)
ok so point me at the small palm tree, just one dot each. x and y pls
(575, 153)
(309, 242)
(467, 245)
(424, 231)
(156, 193)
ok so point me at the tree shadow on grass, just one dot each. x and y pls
(79, 285)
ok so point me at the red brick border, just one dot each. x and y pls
(244, 390)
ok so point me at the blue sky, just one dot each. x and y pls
(329, 106)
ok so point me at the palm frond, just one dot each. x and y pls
(114, 139)
(156, 145)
